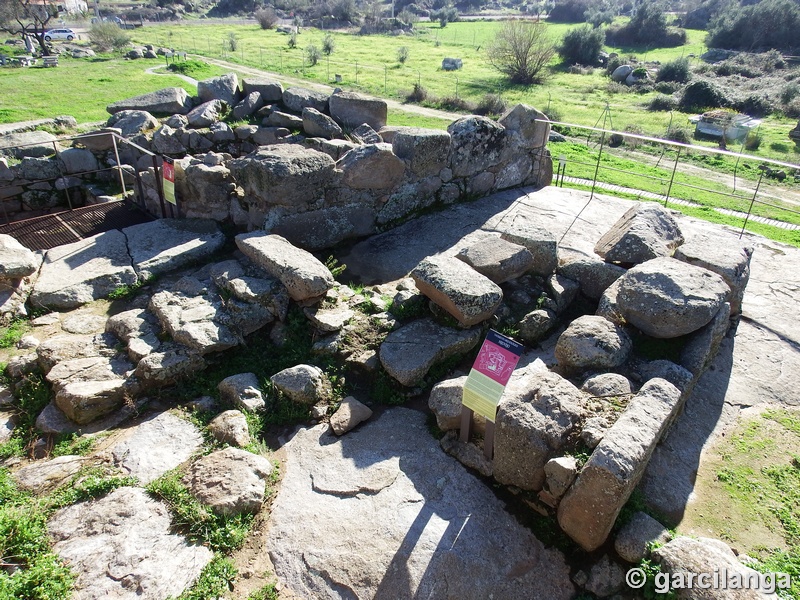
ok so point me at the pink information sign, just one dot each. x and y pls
(498, 357)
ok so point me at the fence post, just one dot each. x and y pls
(159, 187)
(119, 165)
(385, 75)
(752, 201)
(456, 86)
(671, 179)
(63, 177)
(356, 72)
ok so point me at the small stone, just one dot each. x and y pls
(559, 474)
(304, 384)
(242, 391)
(634, 539)
(230, 427)
(350, 413)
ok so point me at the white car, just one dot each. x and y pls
(60, 34)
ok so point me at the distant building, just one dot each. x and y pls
(72, 6)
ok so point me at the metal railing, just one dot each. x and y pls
(731, 195)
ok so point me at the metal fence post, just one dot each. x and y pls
(671, 179)
(119, 165)
(752, 201)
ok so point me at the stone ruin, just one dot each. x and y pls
(573, 440)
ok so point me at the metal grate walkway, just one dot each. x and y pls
(48, 231)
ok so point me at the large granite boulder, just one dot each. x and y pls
(539, 414)
(123, 542)
(529, 127)
(34, 144)
(303, 275)
(285, 175)
(408, 353)
(476, 143)
(168, 101)
(591, 506)
(209, 191)
(635, 538)
(270, 90)
(85, 271)
(592, 342)
(225, 88)
(78, 160)
(593, 275)
(350, 110)
(132, 122)
(297, 98)
(249, 105)
(463, 292)
(540, 242)
(316, 124)
(205, 114)
(371, 167)
(667, 298)
(304, 384)
(230, 481)
(16, 261)
(167, 140)
(426, 150)
(497, 259)
(644, 232)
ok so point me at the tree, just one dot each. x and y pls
(520, 50)
(28, 17)
(107, 35)
(581, 45)
(266, 17)
(768, 24)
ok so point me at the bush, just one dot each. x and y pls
(328, 44)
(792, 109)
(570, 11)
(292, 42)
(418, 94)
(613, 63)
(767, 24)
(701, 95)
(312, 55)
(667, 87)
(790, 92)
(402, 54)
(755, 105)
(454, 103)
(648, 26)
(491, 104)
(682, 135)
(266, 17)
(675, 70)
(521, 50)
(107, 35)
(232, 42)
(753, 141)
(581, 45)
(445, 16)
(663, 102)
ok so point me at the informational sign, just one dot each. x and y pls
(169, 181)
(490, 373)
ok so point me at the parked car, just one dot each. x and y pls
(60, 34)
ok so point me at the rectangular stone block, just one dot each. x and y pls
(591, 506)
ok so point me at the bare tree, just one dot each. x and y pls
(520, 50)
(28, 17)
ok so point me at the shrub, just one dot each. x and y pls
(445, 15)
(674, 70)
(402, 54)
(232, 42)
(328, 44)
(570, 11)
(667, 87)
(292, 42)
(792, 109)
(700, 95)
(266, 17)
(107, 35)
(312, 54)
(755, 105)
(790, 92)
(767, 24)
(663, 102)
(636, 130)
(682, 135)
(753, 140)
(521, 50)
(581, 45)
(418, 94)
(491, 104)
(613, 63)
(454, 103)
(647, 26)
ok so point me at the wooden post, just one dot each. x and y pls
(466, 424)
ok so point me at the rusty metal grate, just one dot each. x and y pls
(48, 231)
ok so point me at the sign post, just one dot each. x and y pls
(497, 359)
(169, 181)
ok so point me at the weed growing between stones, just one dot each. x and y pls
(268, 592)
(197, 521)
(73, 444)
(88, 483)
(13, 332)
(31, 396)
(216, 578)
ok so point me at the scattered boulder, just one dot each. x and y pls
(530, 126)
(78, 160)
(281, 119)
(132, 122)
(452, 64)
(591, 506)
(592, 342)
(606, 578)
(667, 298)
(408, 353)
(562, 290)
(8, 421)
(34, 144)
(425, 150)
(270, 90)
(297, 98)
(41, 477)
(230, 481)
(316, 124)
(168, 101)
(350, 413)
(304, 384)
(593, 275)
(476, 143)
(16, 261)
(539, 413)
(607, 384)
(249, 105)
(124, 542)
(168, 366)
(540, 242)
(635, 537)
(497, 259)
(225, 88)
(644, 232)
(350, 110)
(535, 326)
(621, 73)
(371, 167)
(463, 292)
(242, 391)
(205, 114)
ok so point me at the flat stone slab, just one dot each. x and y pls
(383, 513)
(168, 244)
(159, 443)
(84, 271)
(121, 547)
(408, 353)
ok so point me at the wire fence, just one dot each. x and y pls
(754, 190)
